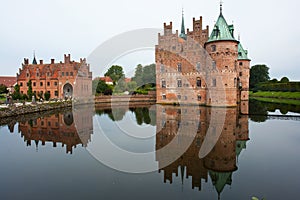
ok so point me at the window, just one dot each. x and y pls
(198, 66)
(163, 84)
(241, 63)
(179, 83)
(37, 74)
(49, 123)
(185, 97)
(179, 68)
(21, 84)
(48, 73)
(42, 123)
(67, 73)
(71, 73)
(34, 84)
(198, 82)
(48, 83)
(63, 73)
(179, 96)
(41, 84)
(56, 93)
(240, 53)
(235, 83)
(164, 97)
(55, 83)
(241, 73)
(213, 48)
(27, 75)
(214, 65)
(214, 82)
(162, 68)
(199, 97)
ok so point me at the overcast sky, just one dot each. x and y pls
(269, 30)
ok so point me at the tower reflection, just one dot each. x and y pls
(70, 128)
(229, 139)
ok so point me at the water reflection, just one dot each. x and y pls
(221, 161)
(70, 128)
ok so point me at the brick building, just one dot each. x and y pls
(189, 129)
(66, 79)
(195, 68)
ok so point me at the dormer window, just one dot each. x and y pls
(179, 68)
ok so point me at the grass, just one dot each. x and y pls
(276, 100)
(276, 95)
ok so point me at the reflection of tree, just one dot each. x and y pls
(258, 111)
(142, 115)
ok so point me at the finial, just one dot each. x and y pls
(221, 6)
(239, 37)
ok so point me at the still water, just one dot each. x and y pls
(152, 152)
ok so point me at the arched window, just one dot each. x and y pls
(179, 83)
(163, 83)
(179, 67)
(198, 83)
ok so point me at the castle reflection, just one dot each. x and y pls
(197, 127)
(70, 128)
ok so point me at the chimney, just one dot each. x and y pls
(26, 61)
(52, 61)
(67, 58)
(41, 62)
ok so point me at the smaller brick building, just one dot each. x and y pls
(68, 79)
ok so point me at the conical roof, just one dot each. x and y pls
(242, 53)
(221, 30)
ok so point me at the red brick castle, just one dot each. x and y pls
(193, 67)
(66, 79)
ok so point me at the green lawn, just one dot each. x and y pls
(278, 95)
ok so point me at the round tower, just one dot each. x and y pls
(223, 49)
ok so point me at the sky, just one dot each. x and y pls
(268, 29)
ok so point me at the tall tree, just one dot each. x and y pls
(258, 74)
(149, 74)
(29, 90)
(115, 72)
(138, 76)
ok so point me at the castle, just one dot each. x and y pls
(66, 79)
(195, 68)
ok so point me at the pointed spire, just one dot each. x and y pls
(182, 33)
(221, 7)
(34, 62)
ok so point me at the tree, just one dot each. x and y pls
(103, 88)
(120, 85)
(3, 89)
(131, 86)
(284, 80)
(47, 95)
(138, 75)
(149, 76)
(16, 94)
(29, 91)
(115, 72)
(258, 74)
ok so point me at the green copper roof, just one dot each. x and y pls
(182, 33)
(222, 31)
(243, 54)
(220, 179)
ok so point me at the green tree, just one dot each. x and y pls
(16, 94)
(3, 89)
(47, 95)
(284, 80)
(115, 72)
(149, 75)
(132, 86)
(138, 75)
(29, 91)
(120, 85)
(258, 74)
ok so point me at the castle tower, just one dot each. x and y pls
(243, 72)
(223, 49)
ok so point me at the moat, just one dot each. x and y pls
(191, 152)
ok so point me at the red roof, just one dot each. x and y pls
(106, 79)
(8, 81)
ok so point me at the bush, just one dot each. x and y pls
(47, 96)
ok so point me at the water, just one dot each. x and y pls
(87, 153)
